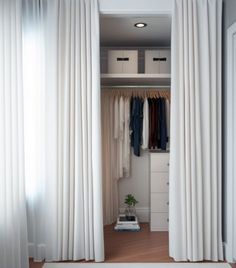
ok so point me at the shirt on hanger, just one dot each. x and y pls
(145, 133)
(126, 143)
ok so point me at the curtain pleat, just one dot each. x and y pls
(13, 226)
(195, 159)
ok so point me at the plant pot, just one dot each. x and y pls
(130, 213)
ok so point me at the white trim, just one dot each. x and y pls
(143, 213)
(230, 246)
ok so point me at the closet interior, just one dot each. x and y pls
(135, 108)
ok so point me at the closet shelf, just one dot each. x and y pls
(134, 79)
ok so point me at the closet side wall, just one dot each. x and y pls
(229, 17)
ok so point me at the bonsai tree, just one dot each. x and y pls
(130, 200)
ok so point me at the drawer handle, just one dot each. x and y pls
(168, 164)
(167, 203)
(168, 183)
(122, 59)
(167, 220)
(159, 59)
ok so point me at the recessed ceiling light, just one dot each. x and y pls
(140, 24)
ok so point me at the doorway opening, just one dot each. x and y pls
(135, 63)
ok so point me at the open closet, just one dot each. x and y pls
(135, 108)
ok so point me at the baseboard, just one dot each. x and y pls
(228, 253)
(142, 213)
(39, 255)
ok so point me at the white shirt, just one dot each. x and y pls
(126, 143)
(116, 118)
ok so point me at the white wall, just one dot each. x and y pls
(138, 184)
(135, 6)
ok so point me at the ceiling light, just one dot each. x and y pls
(140, 24)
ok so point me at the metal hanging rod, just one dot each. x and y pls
(135, 86)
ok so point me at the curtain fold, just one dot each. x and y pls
(195, 155)
(73, 153)
(34, 124)
(13, 226)
(71, 194)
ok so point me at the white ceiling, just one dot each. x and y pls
(120, 31)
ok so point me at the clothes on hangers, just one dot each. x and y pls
(168, 122)
(142, 123)
(145, 134)
(162, 119)
(122, 134)
(136, 124)
(153, 123)
(116, 118)
(126, 143)
(157, 124)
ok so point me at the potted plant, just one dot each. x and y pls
(130, 202)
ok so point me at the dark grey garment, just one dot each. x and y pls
(162, 124)
(136, 124)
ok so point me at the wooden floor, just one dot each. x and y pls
(143, 246)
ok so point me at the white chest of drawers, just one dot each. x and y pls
(159, 188)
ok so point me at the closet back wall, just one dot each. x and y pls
(137, 184)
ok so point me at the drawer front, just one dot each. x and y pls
(165, 66)
(159, 162)
(159, 182)
(152, 63)
(130, 65)
(159, 202)
(159, 222)
(115, 66)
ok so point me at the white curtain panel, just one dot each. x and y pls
(63, 139)
(13, 227)
(195, 155)
(34, 124)
(73, 188)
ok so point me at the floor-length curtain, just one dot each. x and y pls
(109, 157)
(73, 195)
(195, 154)
(63, 139)
(34, 124)
(13, 227)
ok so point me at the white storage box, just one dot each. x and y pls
(122, 61)
(158, 61)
